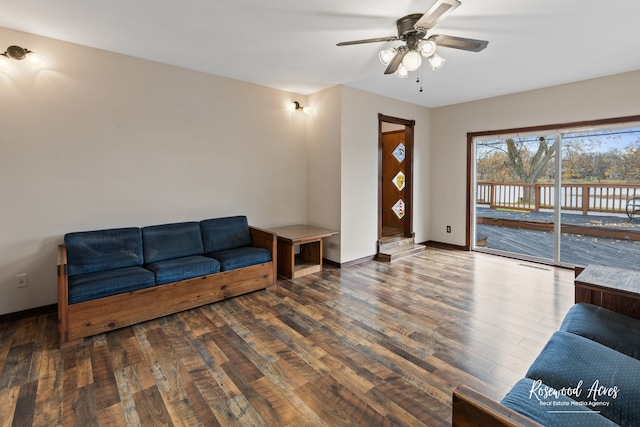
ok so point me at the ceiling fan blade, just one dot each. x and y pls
(462, 43)
(375, 40)
(436, 13)
(395, 62)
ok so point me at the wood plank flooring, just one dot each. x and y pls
(369, 345)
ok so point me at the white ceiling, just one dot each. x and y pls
(291, 44)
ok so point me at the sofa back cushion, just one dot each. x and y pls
(221, 234)
(605, 379)
(101, 250)
(615, 330)
(170, 241)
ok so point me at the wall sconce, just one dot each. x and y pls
(295, 105)
(19, 53)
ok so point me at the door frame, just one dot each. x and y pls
(470, 203)
(408, 136)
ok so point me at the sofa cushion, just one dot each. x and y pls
(184, 268)
(168, 241)
(241, 257)
(220, 234)
(92, 251)
(85, 287)
(615, 330)
(528, 397)
(604, 377)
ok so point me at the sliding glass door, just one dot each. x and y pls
(558, 196)
(600, 176)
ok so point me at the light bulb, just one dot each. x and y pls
(35, 61)
(306, 110)
(427, 48)
(436, 61)
(386, 56)
(412, 60)
(4, 62)
(402, 71)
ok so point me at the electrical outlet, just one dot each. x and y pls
(448, 229)
(23, 280)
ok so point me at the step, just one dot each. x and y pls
(395, 242)
(399, 252)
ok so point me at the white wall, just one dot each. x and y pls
(359, 169)
(100, 140)
(323, 166)
(608, 97)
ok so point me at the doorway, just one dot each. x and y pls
(395, 178)
(558, 195)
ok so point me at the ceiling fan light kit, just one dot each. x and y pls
(412, 60)
(412, 30)
(427, 47)
(436, 61)
(386, 55)
(402, 72)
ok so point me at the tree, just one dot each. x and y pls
(631, 161)
(529, 168)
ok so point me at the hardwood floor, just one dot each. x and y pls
(369, 345)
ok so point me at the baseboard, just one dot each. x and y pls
(440, 245)
(31, 312)
(348, 263)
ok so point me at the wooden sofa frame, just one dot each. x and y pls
(84, 319)
(473, 409)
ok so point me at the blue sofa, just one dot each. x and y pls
(588, 374)
(108, 279)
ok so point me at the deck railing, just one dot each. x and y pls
(578, 197)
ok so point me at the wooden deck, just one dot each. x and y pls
(373, 344)
(576, 249)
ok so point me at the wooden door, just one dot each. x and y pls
(390, 188)
(394, 175)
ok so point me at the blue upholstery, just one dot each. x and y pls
(232, 259)
(109, 262)
(615, 330)
(90, 286)
(568, 359)
(183, 268)
(169, 241)
(523, 398)
(93, 251)
(220, 234)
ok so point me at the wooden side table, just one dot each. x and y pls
(309, 239)
(614, 288)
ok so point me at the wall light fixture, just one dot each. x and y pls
(295, 105)
(19, 53)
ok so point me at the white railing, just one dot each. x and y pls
(580, 197)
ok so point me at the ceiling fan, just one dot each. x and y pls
(412, 29)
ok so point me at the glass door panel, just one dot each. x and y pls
(600, 179)
(514, 195)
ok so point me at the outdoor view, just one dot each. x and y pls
(591, 215)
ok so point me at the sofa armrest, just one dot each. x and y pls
(261, 238)
(63, 294)
(471, 408)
